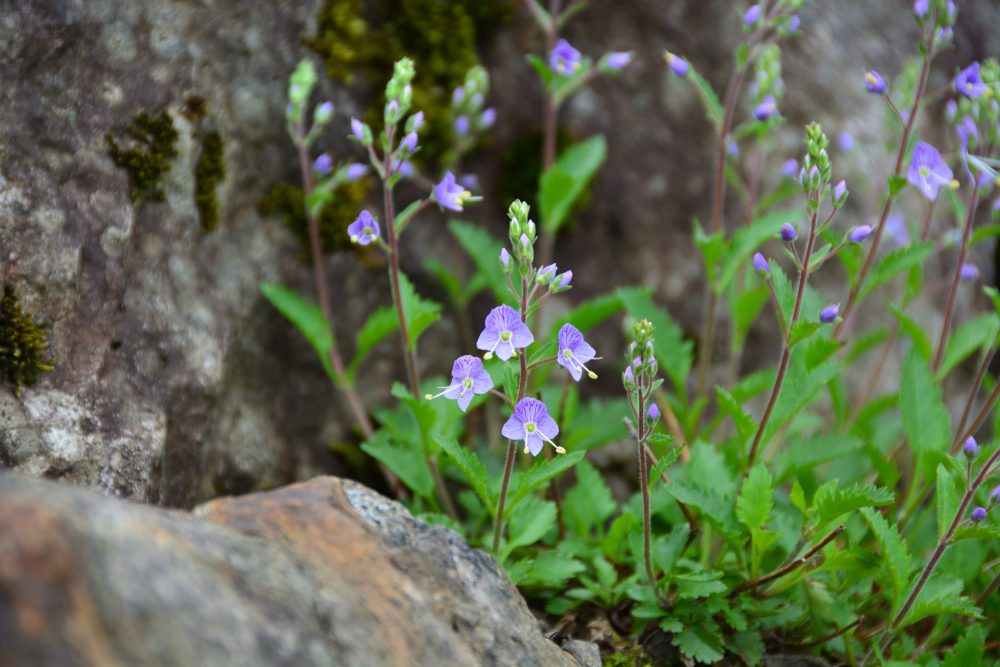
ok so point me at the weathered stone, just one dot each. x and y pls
(325, 572)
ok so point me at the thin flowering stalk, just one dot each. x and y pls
(786, 352)
(949, 308)
(887, 637)
(984, 365)
(852, 297)
(644, 481)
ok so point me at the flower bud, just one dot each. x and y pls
(322, 164)
(760, 265)
(830, 313)
(978, 514)
(653, 413)
(505, 259)
(970, 448)
(323, 113)
(859, 233)
(788, 232)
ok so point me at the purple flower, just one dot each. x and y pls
(392, 111)
(468, 378)
(409, 143)
(793, 24)
(653, 413)
(760, 264)
(970, 448)
(788, 232)
(364, 229)
(574, 352)
(920, 8)
(619, 59)
(355, 170)
(358, 129)
(504, 333)
(874, 82)
(462, 125)
(966, 128)
(753, 15)
(415, 121)
(405, 168)
(995, 494)
(950, 109)
(978, 514)
(505, 258)
(969, 272)
(767, 108)
(324, 113)
(830, 313)
(859, 234)
(628, 377)
(546, 273)
(790, 168)
(677, 65)
(845, 140)
(928, 171)
(732, 148)
(450, 194)
(895, 229)
(564, 59)
(969, 83)
(322, 164)
(457, 95)
(562, 281)
(531, 422)
(469, 182)
(488, 118)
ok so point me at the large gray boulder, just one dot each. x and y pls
(321, 573)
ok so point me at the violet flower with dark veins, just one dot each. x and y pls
(531, 422)
(468, 378)
(504, 333)
(574, 352)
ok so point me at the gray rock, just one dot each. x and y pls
(587, 654)
(316, 574)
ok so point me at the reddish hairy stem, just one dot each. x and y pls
(644, 481)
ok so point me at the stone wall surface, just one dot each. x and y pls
(174, 380)
(321, 573)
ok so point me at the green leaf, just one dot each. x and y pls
(968, 650)
(529, 523)
(937, 601)
(713, 507)
(801, 386)
(408, 461)
(589, 503)
(673, 352)
(810, 453)
(754, 505)
(471, 467)
(307, 318)
(451, 283)
(895, 263)
(379, 324)
(925, 419)
(712, 248)
(484, 251)
(564, 181)
(709, 100)
(983, 233)
(551, 569)
(803, 329)
(966, 339)
(743, 422)
(897, 556)
(914, 330)
(606, 574)
(831, 502)
(590, 427)
(745, 309)
(698, 584)
(592, 312)
(896, 183)
(662, 464)
(540, 473)
(403, 218)
(748, 238)
(748, 645)
(696, 643)
(946, 498)
(420, 313)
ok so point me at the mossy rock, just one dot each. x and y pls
(23, 344)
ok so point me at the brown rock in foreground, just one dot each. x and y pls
(321, 573)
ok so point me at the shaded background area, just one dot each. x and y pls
(174, 380)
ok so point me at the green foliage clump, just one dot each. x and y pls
(439, 35)
(148, 149)
(209, 171)
(288, 203)
(23, 344)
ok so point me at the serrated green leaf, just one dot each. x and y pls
(589, 503)
(484, 251)
(592, 312)
(307, 318)
(662, 464)
(914, 330)
(754, 505)
(831, 502)
(540, 473)
(966, 339)
(668, 550)
(563, 182)
(925, 419)
(798, 497)
(897, 555)
(420, 313)
(968, 650)
(749, 238)
(743, 422)
(606, 574)
(698, 584)
(801, 386)
(379, 324)
(937, 600)
(747, 645)
(551, 569)
(407, 460)
(529, 522)
(946, 499)
(472, 468)
(810, 453)
(895, 263)
(713, 247)
(712, 506)
(699, 645)
(803, 329)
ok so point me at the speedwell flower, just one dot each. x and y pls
(760, 264)
(874, 82)
(619, 59)
(564, 59)
(970, 448)
(504, 333)
(968, 272)
(928, 171)
(323, 164)
(978, 514)
(969, 83)
(364, 229)
(767, 108)
(788, 232)
(531, 422)
(468, 378)
(574, 352)
(450, 194)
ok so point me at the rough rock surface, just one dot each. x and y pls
(174, 380)
(325, 572)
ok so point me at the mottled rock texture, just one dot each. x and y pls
(321, 573)
(174, 381)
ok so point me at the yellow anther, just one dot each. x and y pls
(354, 238)
(953, 184)
(526, 450)
(513, 354)
(428, 397)
(592, 375)
(488, 356)
(560, 450)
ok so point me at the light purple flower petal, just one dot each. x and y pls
(364, 229)
(928, 171)
(875, 83)
(969, 83)
(564, 59)
(449, 194)
(503, 333)
(677, 65)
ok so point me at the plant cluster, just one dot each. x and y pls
(791, 509)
